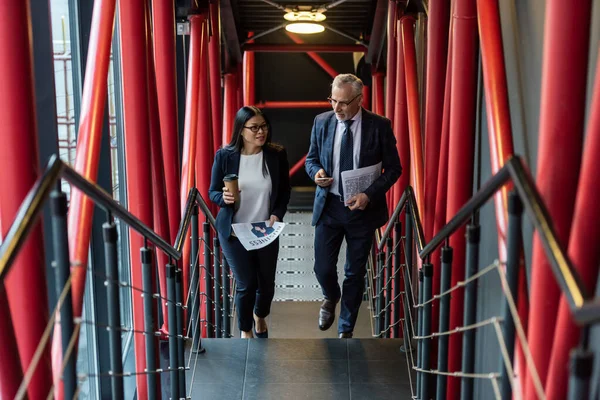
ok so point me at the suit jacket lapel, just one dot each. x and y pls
(365, 135)
(329, 139)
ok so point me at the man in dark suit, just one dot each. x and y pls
(349, 137)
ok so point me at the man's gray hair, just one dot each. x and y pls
(343, 79)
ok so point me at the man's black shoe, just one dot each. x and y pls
(326, 315)
(346, 335)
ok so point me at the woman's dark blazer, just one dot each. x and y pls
(227, 161)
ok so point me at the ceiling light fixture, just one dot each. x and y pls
(304, 22)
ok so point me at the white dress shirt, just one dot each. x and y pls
(356, 130)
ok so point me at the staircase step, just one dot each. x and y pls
(295, 369)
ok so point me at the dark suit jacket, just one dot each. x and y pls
(378, 144)
(227, 161)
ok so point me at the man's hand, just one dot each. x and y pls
(322, 179)
(358, 202)
(272, 220)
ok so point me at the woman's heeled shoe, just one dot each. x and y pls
(261, 335)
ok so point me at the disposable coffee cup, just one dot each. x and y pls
(231, 183)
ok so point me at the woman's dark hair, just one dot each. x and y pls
(241, 119)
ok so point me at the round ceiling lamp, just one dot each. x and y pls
(304, 22)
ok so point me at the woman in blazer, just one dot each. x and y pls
(263, 171)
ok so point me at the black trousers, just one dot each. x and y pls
(254, 272)
(336, 223)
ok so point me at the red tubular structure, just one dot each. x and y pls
(500, 138)
(460, 165)
(315, 57)
(25, 284)
(214, 59)
(229, 105)
(391, 61)
(583, 250)
(11, 373)
(412, 96)
(159, 194)
(294, 104)
(401, 122)
(249, 77)
(190, 134)
(562, 110)
(304, 48)
(134, 66)
(298, 166)
(240, 88)
(164, 59)
(437, 52)
(378, 94)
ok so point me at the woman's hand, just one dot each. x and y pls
(228, 197)
(273, 219)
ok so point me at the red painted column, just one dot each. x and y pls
(401, 122)
(390, 104)
(214, 57)
(460, 164)
(437, 53)
(229, 105)
(249, 77)
(166, 79)
(11, 373)
(134, 64)
(414, 117)
(378, 94)
(583, 251)
(19, 162)
(562, 110)
(159, 193)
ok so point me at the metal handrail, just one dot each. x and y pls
(584, 308)
(37, 196)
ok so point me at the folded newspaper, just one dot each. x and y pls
(356, 181)
(256, 235)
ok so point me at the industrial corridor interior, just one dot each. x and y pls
(483, 283)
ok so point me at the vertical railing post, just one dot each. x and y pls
(195, 284)
(445, 280)
(379, 291)
(470, 316)
(226, 302)
(149, 326)
(408, 257)
(582, 365)
(217, 291)
(426, 330)
(388, 286)
(173, 350)
(62, 270)
(207, 284)
(180, 341)
(419, 333)
(397, 269)
(513, 255)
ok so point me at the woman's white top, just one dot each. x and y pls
(256, 190)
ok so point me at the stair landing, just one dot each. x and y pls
(293, 369)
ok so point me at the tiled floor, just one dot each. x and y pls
(286, 369)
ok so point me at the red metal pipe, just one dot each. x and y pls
(11, 373)
(303, 48)
(229, 105)
(214, 59)
(401, 122)
(188, 178)
(293, 104)
(298, 166)
(249, 77)
(240, 87)
(158, 165)
(460, 165)
(414, 118)
(437, 53)
(583, 250)
(315, 57)
(378, 93)
(562, 110)
(390, 104)
(164, 58)
(134, 65)
(19, 160)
